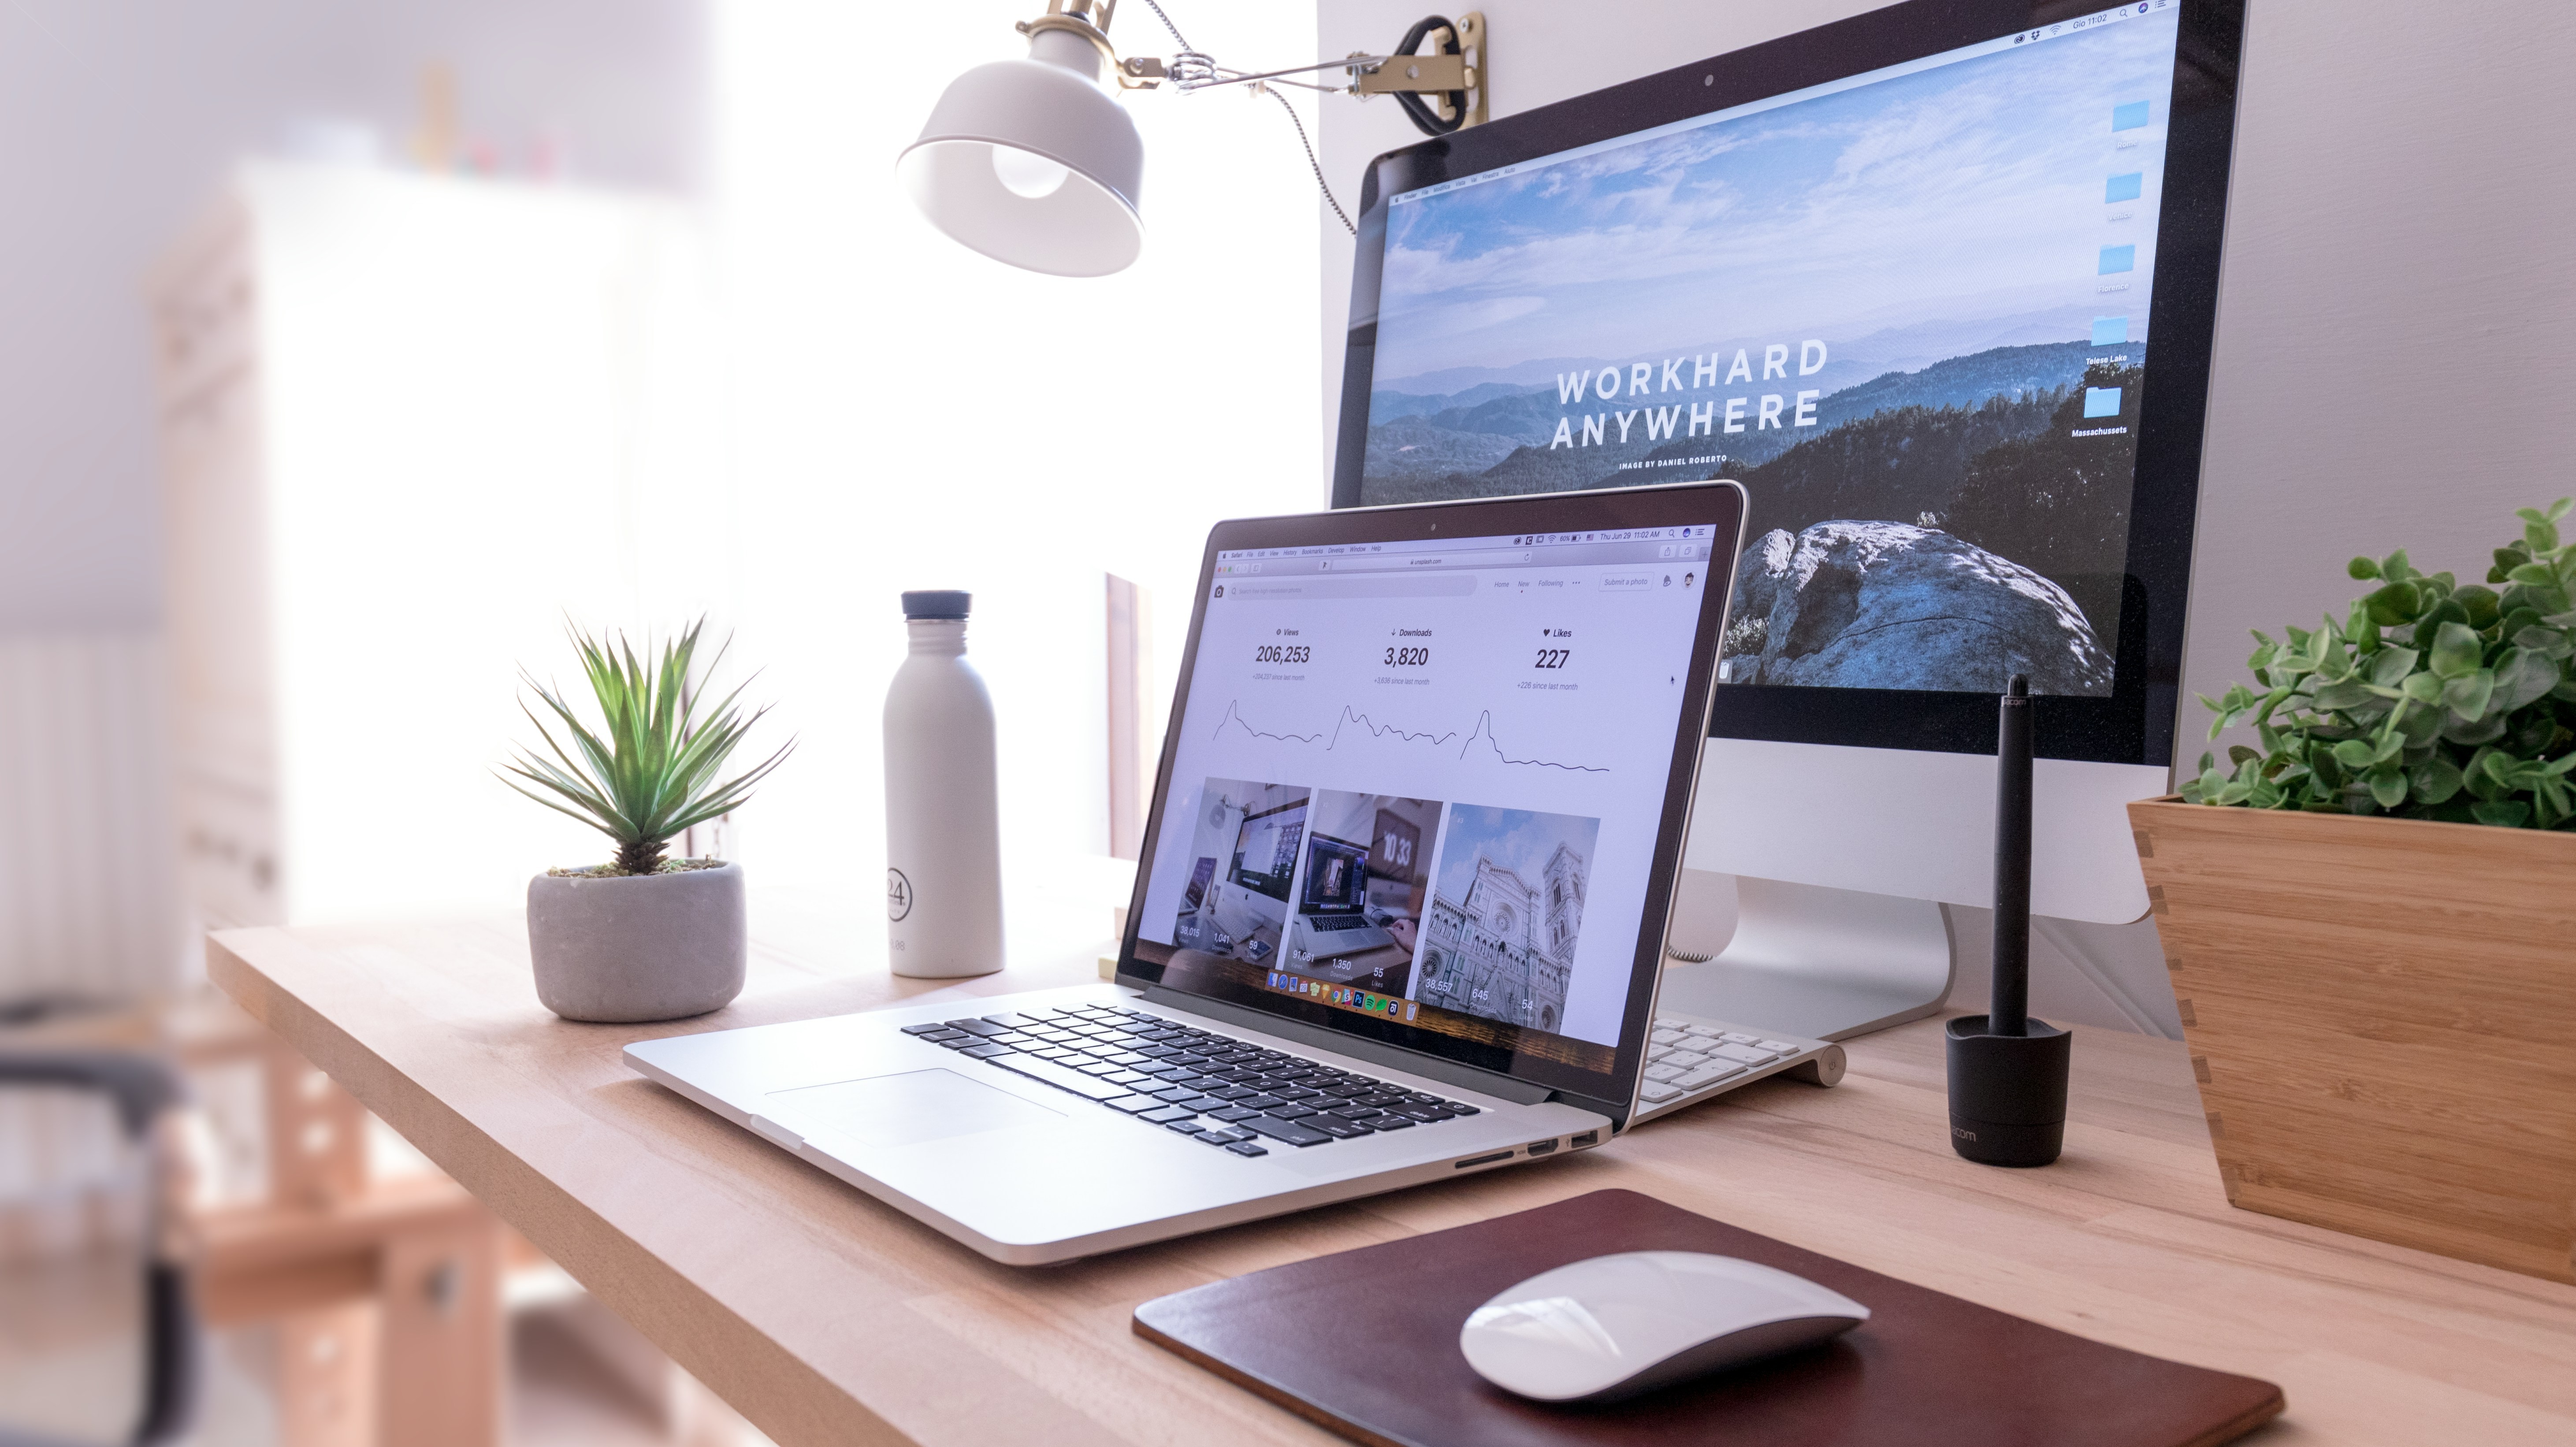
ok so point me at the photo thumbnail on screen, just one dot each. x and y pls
(1360, 902)
(1505, 913)
(1244, 851)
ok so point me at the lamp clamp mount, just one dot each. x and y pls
(1442, 89)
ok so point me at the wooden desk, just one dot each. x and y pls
(826, 1318)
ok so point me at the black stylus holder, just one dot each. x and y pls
(2007, 1070)
(2008, 1092)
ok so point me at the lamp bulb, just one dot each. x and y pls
(1026, 173)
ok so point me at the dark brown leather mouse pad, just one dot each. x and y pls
(1366, 1343)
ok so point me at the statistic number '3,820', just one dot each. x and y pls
(1408, 657)
(1282, 653)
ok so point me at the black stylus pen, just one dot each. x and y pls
(2009, 1012)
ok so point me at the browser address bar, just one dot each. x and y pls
(1379, 585)
(1422, 562)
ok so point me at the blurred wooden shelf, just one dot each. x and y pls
(826, 1317)
(255, 1262)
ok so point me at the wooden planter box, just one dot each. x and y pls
(2382, 1015)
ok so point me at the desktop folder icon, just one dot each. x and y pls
(2101, 401)
(2129, 117)
(2124, 188)
(2119, 258)
(2110, 331)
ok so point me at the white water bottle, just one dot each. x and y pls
(943, 822)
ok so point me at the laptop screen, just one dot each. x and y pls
(1336, 876)
(1465, 749)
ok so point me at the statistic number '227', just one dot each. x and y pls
(1282, 653)
(1408, 657)
(1554, 657)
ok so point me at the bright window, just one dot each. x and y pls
(907, 414)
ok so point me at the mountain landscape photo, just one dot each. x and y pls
(1909, 316)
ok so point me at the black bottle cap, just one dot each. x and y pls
(937, 603)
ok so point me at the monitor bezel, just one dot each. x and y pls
(2137, 723)
(1719, 504)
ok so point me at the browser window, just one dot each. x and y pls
(1423, 780)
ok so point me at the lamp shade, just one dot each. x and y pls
(1032, 162)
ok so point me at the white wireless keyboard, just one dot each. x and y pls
(1689, 1059)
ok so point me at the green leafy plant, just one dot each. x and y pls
(2430, 700)
(651, 772)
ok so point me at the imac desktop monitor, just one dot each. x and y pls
(1936, 284)
(1265, 853)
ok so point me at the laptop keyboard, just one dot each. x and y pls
(1212, 1088)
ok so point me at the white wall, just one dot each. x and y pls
(118, 118)
(2392, 360)
(2393, 364)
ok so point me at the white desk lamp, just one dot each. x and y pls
(1035, 163)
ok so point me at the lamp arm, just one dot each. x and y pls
(1454, 70)
(1146, 67)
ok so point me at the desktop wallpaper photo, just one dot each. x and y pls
(1909, 315)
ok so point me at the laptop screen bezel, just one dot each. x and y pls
(1717, 504)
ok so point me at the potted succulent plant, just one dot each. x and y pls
(643, 936)
(2370, 936)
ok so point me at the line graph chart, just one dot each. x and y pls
(1351, 718)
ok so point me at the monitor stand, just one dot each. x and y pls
(1826, 964)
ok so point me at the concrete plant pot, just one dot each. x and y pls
(622, 949)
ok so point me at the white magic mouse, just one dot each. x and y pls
(1615, 1326)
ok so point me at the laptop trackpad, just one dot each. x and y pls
(902, 1110)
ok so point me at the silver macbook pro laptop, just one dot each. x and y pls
(1401, 913)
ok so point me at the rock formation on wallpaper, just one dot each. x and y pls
(1884, 605)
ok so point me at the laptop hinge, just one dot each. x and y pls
(1616, 1110)
(1465, 1077)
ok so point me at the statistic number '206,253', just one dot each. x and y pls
(1282, 653)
